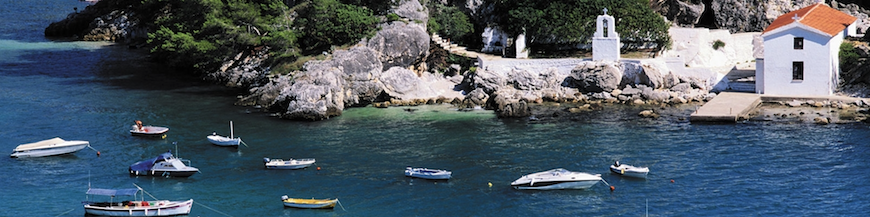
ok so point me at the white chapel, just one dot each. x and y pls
(801, 52)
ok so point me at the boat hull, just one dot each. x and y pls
(50, 151)
(292, 164)
(424, 173)
(307, 204)
(630, 172)
(166, 173)
(223, 141)
(150, 131)
(556, 185)
(287, 167)
(172, 208)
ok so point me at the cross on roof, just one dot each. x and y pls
(605, 11)
(796, 18)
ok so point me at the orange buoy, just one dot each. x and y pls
(612, 188)
(672, 181)
(318, 168)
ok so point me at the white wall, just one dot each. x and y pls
(695, 47)
(817, 55)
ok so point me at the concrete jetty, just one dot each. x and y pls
(727, 107)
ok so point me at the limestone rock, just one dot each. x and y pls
(412, 10)
(507, 104)
(400, 44)
(685, 14)
(648, 114)
(596, 76)
(821, 120)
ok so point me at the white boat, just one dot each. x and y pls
(219, 140)
(140, 130)
(290, 164)
(629, 170)
(133, 208)
(49, 147)
(556, 179)
(426, 173)
(309, 203)
(163, 165)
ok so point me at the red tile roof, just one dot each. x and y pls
(818, 16)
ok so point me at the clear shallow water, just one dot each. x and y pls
(89, 91)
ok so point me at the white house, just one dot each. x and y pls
(801, 52)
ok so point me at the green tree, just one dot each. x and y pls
(328, 22)
(449, 22)
(573, 21)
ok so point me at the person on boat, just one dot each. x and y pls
(616, 163)
(139, 125)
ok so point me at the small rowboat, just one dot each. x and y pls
(291, 164)
(309, 203)
(629, 170)
(426, 173)
(155, 131)
(149, 131)
(219, 140)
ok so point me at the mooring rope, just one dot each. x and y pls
(212, 209)
(339, 204)
(64, 213)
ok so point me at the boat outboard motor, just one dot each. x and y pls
(285, 197)
(266, 159)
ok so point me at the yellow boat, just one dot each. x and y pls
(309, 203)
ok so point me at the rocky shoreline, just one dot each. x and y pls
(390, 69)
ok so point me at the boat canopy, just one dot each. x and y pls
(40, 144)
(146, 165)
(113, 192)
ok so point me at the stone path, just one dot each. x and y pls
(459, 50)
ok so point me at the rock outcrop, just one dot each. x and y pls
(685, 14)
(597, 76)
(103, 21)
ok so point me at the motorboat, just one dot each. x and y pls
(220, 140)
(309, 203)
(426, 173)
(49, 147)
(155, 131)
(629, 170)
(163, 165)
(556, 179)
(135, 207)
(290, 164)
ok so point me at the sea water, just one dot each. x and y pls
(94, 91)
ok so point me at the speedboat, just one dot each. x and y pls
(219, 140)
(291, 164)
(556, 179)
(309, 203)
(163, 165)
(426, 173)
(140, 130)
(133, 208)
(629, 170)
(49, 147)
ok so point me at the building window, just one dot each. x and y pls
(797, 71)
(798, 43)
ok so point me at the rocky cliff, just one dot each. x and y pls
(105, 21)
(744, 16)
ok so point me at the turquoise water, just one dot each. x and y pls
(93, 92)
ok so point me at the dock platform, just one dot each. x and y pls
(727, 107)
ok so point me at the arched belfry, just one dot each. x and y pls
(605, 42)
